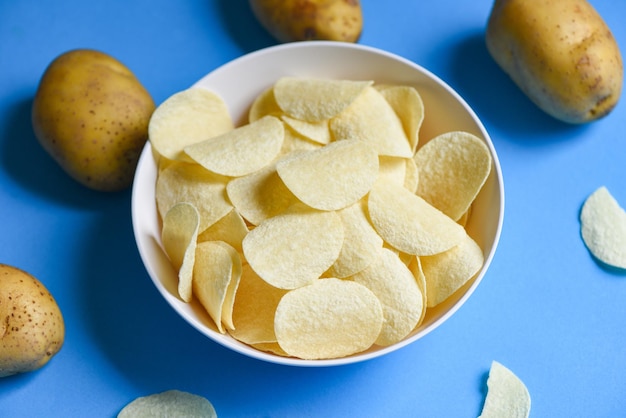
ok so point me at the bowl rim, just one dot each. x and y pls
(231, 343)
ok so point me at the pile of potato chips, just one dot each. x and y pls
(323, 226)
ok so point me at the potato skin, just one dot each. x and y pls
(560, 53)
(304, 20)
(91, 114)
(32, 330)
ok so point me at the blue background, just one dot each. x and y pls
(545, 309)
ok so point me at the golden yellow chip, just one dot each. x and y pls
(178, 235)
(294, 248)
(315, 131)
(294, 142)
(409, 223)
(392, 168)
(192, 183)
(372, 120)
(185, 118)
(216, 275)
(400, 296)
(264, 105)
(261, 195)
(314, 99)
(171, 403)
(446, 272)
(253, 312)
(241, 151)
(415, 266)
(231, 229)
(408, 105)
(412, 175)
(507, 396)
(332, 177)
(330, 318)
(361, 243)
(603, 228)
(453, 168)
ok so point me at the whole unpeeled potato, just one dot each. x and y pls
(32, 330)
(560, 53)
(302, 20)
(91, 114)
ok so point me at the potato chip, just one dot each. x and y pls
(192, 183)
(407, 103)
(415, 266)
(179, 235)
(507, 396)
(314, 99)
(412, 175)
(264, 105)
(446, 272)
(330, 318)
(332, 177)
(399, 294)
(216, 275)
(185, 118)
(392, 168)
(603, 228)
(273, 348)
(294, 248)
(171, 403)
(315, 131)
(361, 243)
(230, 229)
(372, 120)
(294, 142)
(241, 151)
(453, 168)
(253, 312)
(409, 223)
(260, 195)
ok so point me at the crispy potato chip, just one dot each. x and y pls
(192, 183)
(332, 177)
(264, 105)
(392, 168)
(273, 348)
(253, 312)
(216, 275)
(446, 272)
(315, 131)
(314, 99)
(453, 168)
(179, 235)
(603, 228)
(507, 395)
(231, 229)
(294, 142)
(171, 403)
(361, 243)
(241, 151)
(372, 120)
(412, 175)
(408, 105)
(261, 195)
(330, 318)
(185, 118)
(294, 248)
(409, 223)
(415, 266)
(400, 296)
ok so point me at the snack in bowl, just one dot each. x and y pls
(308, 214)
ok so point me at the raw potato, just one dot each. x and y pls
(560, 53)
(91, 114)
(32, 330)
(298, 20)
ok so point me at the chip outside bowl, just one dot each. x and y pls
(239, 82)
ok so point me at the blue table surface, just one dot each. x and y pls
(545, 309)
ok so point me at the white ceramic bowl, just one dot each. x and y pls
(239, 82)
